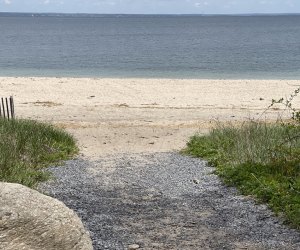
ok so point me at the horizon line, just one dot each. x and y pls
(151, 14)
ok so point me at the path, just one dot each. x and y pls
(164, 201)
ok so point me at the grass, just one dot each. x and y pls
(27, 146)
(260, 159)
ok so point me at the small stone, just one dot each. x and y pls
(133, 246)
(152, 143)
(156, 245)
(196, 181)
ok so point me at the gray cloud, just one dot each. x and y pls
(153, 6)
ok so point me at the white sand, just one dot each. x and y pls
(141, 115)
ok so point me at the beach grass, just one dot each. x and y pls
(262, 160)
(27, 146)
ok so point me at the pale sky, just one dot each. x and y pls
(152, 6)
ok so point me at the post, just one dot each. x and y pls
(12, 107)
(3, 108)
(7, 109)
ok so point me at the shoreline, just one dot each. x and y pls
(109, 115)
(132, 77)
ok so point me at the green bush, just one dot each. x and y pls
(260, 159)
(27, 146)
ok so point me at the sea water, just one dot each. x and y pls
(150, 46)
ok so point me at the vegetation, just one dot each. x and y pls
(260, 159)
(27, 146)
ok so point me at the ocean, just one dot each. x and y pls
(253, 47)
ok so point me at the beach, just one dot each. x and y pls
(111, 115)
(132, 90)
(129, 185)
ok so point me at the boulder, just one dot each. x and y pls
(31, 220)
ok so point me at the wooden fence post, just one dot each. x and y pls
(3, 108)
(7, 108)
(12, 107)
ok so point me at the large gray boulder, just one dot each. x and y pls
(31, 220)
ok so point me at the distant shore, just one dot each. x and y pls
(141, 115)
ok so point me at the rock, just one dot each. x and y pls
(133, 247)
(31, 220)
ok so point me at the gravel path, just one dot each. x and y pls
(164, 201)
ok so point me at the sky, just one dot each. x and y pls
(152, 6)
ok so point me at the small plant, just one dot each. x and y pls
(27, 146)
(288, 104)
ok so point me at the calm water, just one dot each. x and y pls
(151, 46)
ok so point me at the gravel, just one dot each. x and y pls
(164, 201)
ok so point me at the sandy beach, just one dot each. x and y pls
(141, 115)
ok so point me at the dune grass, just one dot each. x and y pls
(260, 159)
(27, 146)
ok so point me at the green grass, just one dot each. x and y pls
(260, 160)
(27, 146)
